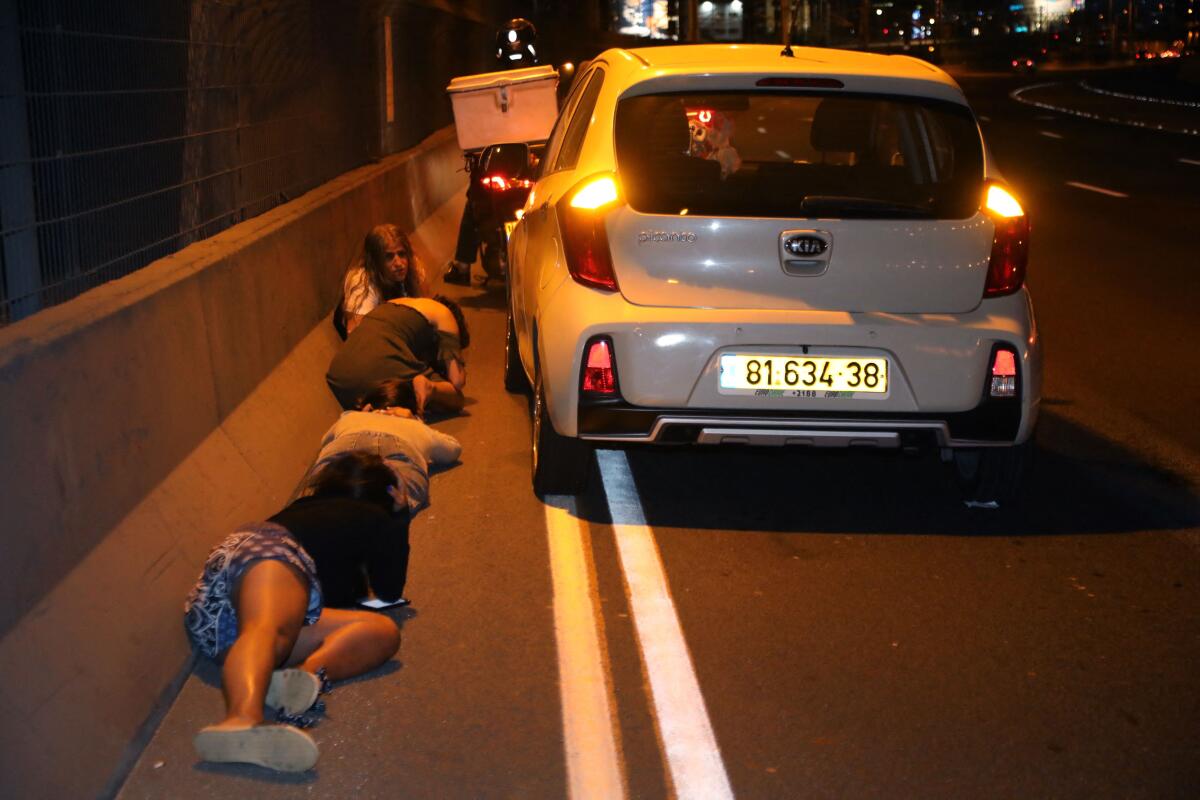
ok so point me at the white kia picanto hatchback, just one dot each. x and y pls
(729, 245)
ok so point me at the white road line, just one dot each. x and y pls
(1051, 134)
(593, 755)
(693, 758)
(1097, 189)
(1193, 162)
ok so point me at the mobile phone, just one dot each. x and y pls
(375, 602)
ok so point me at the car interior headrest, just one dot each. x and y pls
(841, 124)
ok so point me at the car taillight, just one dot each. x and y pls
(1010, 242)
(581, 216)
(599, 373)
(1004, 373)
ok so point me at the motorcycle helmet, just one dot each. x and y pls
(515, 44)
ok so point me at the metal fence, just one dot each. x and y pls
(130, 129)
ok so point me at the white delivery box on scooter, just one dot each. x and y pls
(516, 105)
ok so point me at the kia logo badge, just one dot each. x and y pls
(806, 245)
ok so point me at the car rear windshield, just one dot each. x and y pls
(775, 154)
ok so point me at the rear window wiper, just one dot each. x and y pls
(840, 205)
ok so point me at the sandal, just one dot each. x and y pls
(293, 691)
(278, 747)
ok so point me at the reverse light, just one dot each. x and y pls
(581, 215)
(1004, 373)
(1010, 242)
(599, 374)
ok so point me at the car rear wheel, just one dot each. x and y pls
(560, 463)
(514, 374)
(992, 477)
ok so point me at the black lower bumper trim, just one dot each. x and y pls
(991, 421)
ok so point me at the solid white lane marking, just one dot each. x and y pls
(1189, 161)
(593, 756)
(1051, 134)
(1097, 189)
(693, 758)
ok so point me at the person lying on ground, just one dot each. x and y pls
(386, 423)
(264, 608)
(386, 269)
(405, 338)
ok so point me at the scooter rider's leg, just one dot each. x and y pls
(459, 270)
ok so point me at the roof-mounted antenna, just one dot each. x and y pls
(788, 11)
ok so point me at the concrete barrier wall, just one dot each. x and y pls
(141, 422)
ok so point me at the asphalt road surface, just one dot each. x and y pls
(776, 624)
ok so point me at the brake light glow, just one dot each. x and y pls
(1010, 242)
(1004, 373)
(581, 216)
(598, 373)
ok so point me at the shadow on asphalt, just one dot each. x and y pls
(1080, 484)
(489, 296)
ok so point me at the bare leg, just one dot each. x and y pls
(346, 643)
(271, 599)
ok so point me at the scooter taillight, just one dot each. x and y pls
(500, 183)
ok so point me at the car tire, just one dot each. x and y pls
(514, 374)
(560, 464)
(992, 477)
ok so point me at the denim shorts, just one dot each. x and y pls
(208, 614)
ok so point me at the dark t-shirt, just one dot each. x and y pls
(392, 341)
(343, 536)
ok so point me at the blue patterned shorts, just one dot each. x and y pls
(209, 615)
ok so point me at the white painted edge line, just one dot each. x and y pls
(1139, 97)
(1191, 161)
(589, 737)
(1015, 94)
(1051, 134)
(690, 746)
(1097, 189)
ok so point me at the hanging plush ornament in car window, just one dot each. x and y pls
(711, 138)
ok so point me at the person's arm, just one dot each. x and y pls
(456, 373)
(442, 448)
(434, 391)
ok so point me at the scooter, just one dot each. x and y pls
(501, 177)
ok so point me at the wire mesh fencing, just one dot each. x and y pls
(129, 130)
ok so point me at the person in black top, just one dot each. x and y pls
(260, 604)
(414, 339)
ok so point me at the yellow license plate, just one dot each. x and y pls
(802, 376)
(508, 228)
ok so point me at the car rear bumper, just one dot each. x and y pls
(991, 423)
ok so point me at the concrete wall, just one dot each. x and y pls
(139, 423)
